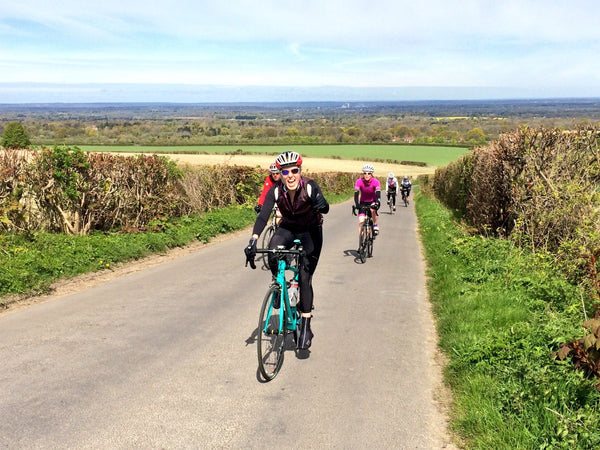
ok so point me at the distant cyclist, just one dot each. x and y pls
(406, 186)
(271, 179)
(301, 203)
(391, 187)
(367, 193)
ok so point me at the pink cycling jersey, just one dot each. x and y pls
(367, 190)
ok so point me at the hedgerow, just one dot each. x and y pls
(541, 189)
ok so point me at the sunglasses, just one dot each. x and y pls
(367, 173)
(287, 171)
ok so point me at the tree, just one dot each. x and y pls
(15, 136)
(476, 134)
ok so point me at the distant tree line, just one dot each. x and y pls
(265, 127)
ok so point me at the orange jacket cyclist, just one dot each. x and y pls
(271, 179)
(301, 204)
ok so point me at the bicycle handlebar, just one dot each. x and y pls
(278, 251)
(282, 251)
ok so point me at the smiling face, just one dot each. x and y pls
(290, 178)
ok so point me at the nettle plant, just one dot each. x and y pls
(585, 351)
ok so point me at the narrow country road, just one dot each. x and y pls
(166, 358)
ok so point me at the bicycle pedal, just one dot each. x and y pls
(271, 332)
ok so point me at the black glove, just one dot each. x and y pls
(320, 204)
(375, 205)
(257, 208)
(354, 210)
(250, 252)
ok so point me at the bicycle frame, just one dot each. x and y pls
(287, 313)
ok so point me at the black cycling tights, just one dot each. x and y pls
(393, 195)
(312, 241)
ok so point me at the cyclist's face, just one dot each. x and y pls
(367, 175)
(276, 176)
(290, 178)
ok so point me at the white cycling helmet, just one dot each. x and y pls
(405, 177)
(368, 168)
(273, 168)
(287, 159)
(391, 175)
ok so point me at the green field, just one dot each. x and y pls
(432, 156)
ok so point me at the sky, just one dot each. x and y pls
(273, 50)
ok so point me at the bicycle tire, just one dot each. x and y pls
(267, 235)
(370, 242)
(270, 344)
(362, 243)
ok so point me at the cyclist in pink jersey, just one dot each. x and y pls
(367, 192)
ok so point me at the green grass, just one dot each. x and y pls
(32, 262)
(432, 156)
(501, 313)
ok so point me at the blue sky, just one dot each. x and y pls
(134, 50)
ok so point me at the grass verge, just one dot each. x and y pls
(32, 262)
(501, 313)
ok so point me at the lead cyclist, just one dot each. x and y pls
(301, 204)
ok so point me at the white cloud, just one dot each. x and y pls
(303, 43)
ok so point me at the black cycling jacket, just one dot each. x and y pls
(297, 217)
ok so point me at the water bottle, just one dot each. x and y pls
(293, 293)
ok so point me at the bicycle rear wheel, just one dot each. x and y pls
(362, 243)
(270, 343)
(267, 235)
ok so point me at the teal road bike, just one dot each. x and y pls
(279, 319)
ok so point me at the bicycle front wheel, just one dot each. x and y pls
(270, 342)
(267, 235)
(362, 242)
(370, 243)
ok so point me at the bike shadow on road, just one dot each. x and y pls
(355, 254)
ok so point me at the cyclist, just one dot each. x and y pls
(406, 186)
(273, 177)
(367, 192)
(301, 203)
(390, 189)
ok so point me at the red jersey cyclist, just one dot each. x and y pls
(367, 193)
(271, 179)
(301, 203)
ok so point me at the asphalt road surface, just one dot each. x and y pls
(166, 357)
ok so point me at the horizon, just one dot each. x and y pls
(114, 93)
